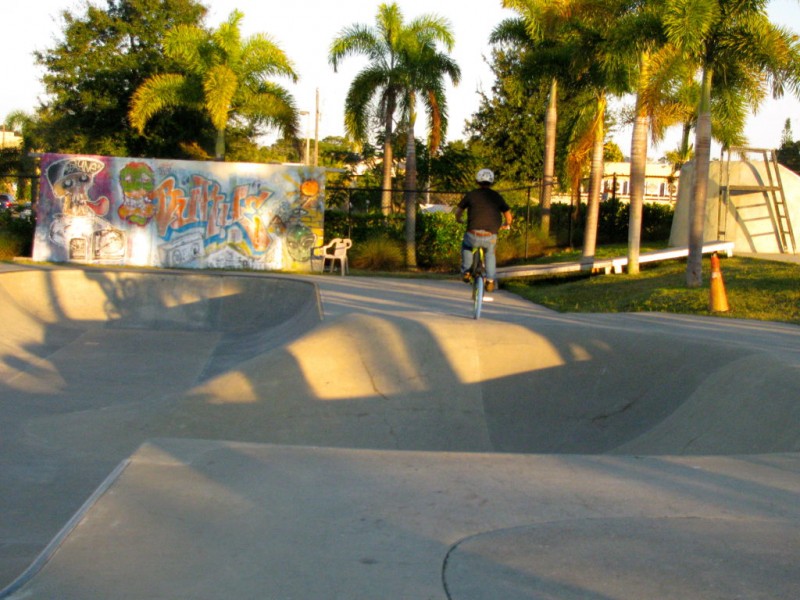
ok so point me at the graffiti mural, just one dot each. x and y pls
(171, 213)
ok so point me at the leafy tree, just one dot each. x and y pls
(506, 132)
(18, 161)
(223, 76)
(337, 152)
(786, 134)
(789, 151)
(789, 156)
(103, 55)
(732, 43)
(612, 152)
(453, 168)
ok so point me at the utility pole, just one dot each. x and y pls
(316, 133)
(307, 153)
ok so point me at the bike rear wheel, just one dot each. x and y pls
(477, 295)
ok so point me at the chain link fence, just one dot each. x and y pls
(567, 214)
(368, 200)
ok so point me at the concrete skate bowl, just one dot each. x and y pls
(245, 358)
(441, 383)
(48, 308)
(97, 362)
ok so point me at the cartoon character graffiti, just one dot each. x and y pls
(300, 238)
(138, 185)
(71, 179)
(299, 242)
(81, 228)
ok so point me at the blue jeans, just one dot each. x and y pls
(471, 241)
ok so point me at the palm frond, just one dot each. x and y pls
(431, 30)
(187, 45)
(352, 41)
(688, 23)
(220, 86)
(228, 38)
(510, 31)
(367, 85)
(272, 106)
(154, 95)
(262, 58)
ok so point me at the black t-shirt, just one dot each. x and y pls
(485, 209)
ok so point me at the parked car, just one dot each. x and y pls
(6, 201)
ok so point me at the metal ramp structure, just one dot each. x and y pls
(768, 183)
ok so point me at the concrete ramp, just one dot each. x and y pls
(191, 519)
(393, 449)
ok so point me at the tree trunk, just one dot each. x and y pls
(219, 149)
(638, 171)
(551, 124)
(697, 203)
(388, 159)
(595, 181)
(410, 195)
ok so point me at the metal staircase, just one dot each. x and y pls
(771, 188)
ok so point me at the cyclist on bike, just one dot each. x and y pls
(487, 214)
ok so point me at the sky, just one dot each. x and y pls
(304, 30)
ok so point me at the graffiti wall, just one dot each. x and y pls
(172, 213)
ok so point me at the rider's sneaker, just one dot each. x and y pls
(490, 285)
(466, 277)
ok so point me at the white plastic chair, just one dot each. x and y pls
(335, 250)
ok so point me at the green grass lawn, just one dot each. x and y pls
(756, 289)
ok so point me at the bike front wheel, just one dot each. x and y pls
(477, 296)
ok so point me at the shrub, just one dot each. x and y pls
(511, 247)
(360, 227)
(438, 241)
(16, 235)
(377, 254)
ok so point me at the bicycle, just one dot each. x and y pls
(477, 275)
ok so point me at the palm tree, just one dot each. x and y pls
(733, 43)
(425, 70)
(603, 71)
(661, 71)
(389, 46)
(224, 76)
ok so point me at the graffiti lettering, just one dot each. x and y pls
(171, 203)
(248, 212)
(207, 200)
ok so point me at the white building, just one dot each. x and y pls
(660, 182)
(9, 139)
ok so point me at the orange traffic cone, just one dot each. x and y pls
(719, 299)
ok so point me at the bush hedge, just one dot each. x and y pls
(439, 236)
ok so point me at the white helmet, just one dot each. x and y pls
(485, 176)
